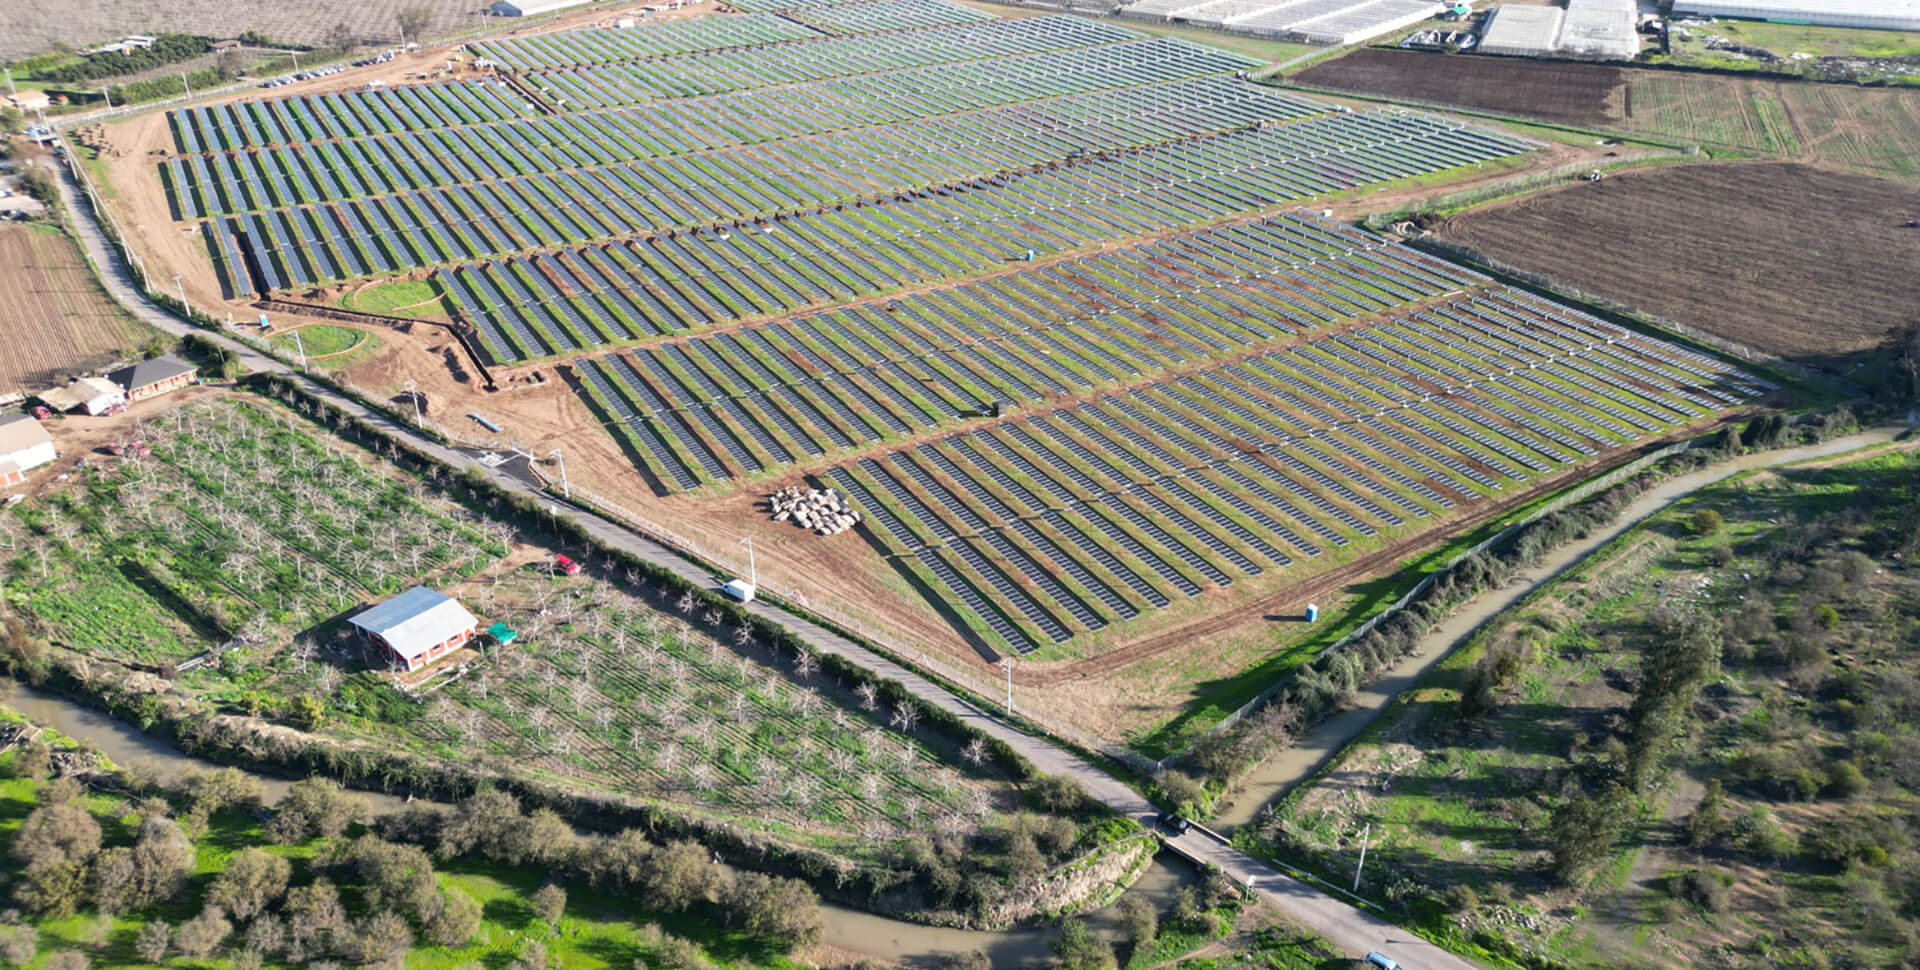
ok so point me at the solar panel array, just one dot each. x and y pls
(828, 167)
(1248, 394)
(1265, 461)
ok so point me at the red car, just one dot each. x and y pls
(566, 565)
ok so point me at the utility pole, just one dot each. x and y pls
(753, 571)
(1364, 833)
(184, 305)
(185, 84)
(1007, 662)
(414, 396)
(301, 346)
(567, 490)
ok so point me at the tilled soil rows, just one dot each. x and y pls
(56, 322)
(1791, 260)
(1584, 94)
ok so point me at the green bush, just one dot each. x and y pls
(1709, 891)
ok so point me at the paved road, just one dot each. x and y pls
(1348, 929)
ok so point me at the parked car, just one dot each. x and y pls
(1381, 961)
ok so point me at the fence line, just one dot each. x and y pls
(1731, 348)
(1578, 493)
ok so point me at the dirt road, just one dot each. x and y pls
(1280, 773)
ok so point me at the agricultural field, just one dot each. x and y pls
(241, 525)
(604, 691)
(246, 532)
(1695, 745)
(58, 322)
(25, 29)
(1875, 131)
(1567, 92)
(1821, 281)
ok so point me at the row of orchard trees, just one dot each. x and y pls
(371, 893)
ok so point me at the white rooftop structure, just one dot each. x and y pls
(1870, 14)
(1603, 29)
(24, 446)
(530, 8)
(417, 624)
(1319, 21)
(1522, 31)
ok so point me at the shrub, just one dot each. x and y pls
(1707, 890)
(1759, 834)
(1707, 522)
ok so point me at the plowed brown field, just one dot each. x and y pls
(1792, 260)
(1580, 94)
(54, 321)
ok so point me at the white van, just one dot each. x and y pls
(1382, 961)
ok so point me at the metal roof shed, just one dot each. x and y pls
(416, 626)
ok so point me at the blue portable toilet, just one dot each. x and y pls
(264, 325)
(1029, 255)
(1313, 612)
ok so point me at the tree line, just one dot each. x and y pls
(372, 892)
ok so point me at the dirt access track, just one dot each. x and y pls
(1814, 266)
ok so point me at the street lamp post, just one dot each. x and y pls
(184, 305)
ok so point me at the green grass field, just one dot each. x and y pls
(320, 340)
(398, 298)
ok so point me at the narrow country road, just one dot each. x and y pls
(1279, 774)
(1348, 929)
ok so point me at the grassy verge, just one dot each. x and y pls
(398, 298)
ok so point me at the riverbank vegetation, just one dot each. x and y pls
(105, 870)
(1698, 745)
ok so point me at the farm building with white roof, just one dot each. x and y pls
(24, 446)
(1870, 14)
(416, 627)
(530, 8)
(94, 395)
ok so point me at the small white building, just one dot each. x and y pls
(93, 395)
(530, 8)
(24, 446)
(1868, 14)
(416, 627)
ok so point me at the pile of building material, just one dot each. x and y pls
(825, 512)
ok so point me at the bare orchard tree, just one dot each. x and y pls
(975, 752)
(805, 664)
(869, 696)
(906, 715)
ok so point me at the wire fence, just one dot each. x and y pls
(1579, 493)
